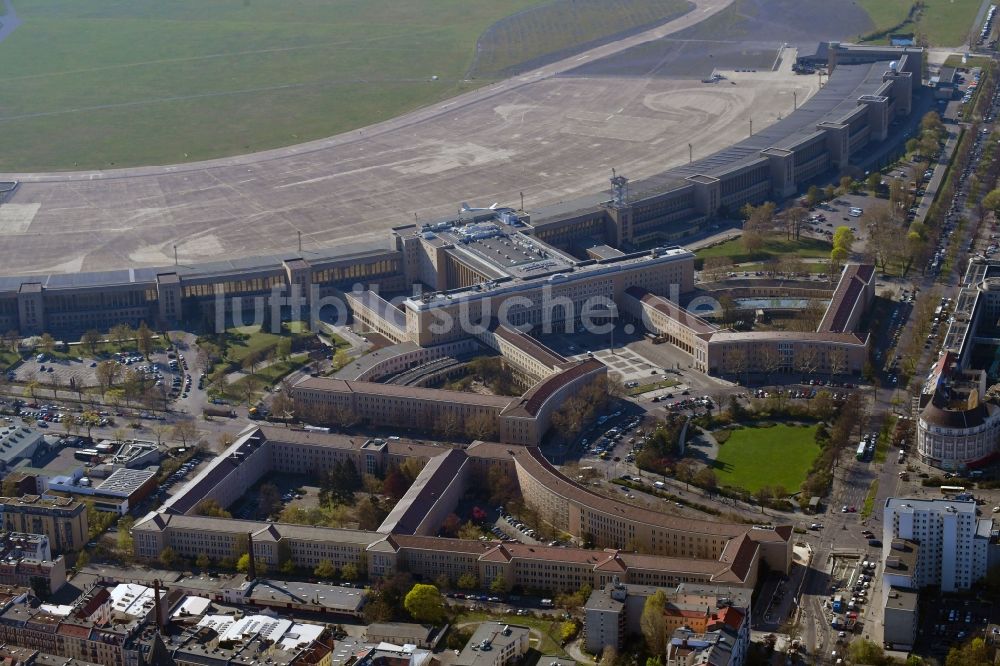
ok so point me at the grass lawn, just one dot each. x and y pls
(267, 376)
(256, 341)
(7, 359)
(248, 340)
(945, 22)
(755, 457)
(805, 248)
(869, 505)
(973, 61)
(116, 83)
(646, 388)
(556, 27)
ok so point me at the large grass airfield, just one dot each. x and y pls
(633, 103)
(119, 83)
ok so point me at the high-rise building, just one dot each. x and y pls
(953, 543)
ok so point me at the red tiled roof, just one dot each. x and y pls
(535, 397)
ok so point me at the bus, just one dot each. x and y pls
(952, 490)
(862, 451)
(86, 455)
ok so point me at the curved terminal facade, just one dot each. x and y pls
(639, 546)
(868, 90)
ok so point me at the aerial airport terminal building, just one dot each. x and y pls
(640, 546)
(589, 241)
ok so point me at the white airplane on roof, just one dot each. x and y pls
(466, 208)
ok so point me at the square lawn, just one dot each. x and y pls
(777, 456)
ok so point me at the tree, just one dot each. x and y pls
(168, 557)
(144, 340)
(210, 507)
(706, 478)
(350, 571)
(125, 534)
(609, 656)
(31, 389)
(251, 384)
(813, 195)
(203, 561)
(341, 358)
(763, 495)
(843, 237)
(499, 586)
(685, 471)
(82, 560)
(251, 361)
(480, 427)
(395, 484)
(160, 430)
(974, 653)
(716, 268)
(325, 569)
(992, 201)
(469, 531)
(287, 567)
(846, 184)
(268, 500)
(185, 431)
(424, 604)
(795, 218)
(107, 373)
(451, 524)
(121, 334)
(873, 181)
(282, 405)
(243, 564)
(468, 581)
(652, 624)
(47, 343)
(90, 339)
(866, 652)
(370, 514)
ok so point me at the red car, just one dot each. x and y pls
(852, 509)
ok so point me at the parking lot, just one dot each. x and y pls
(186, 472)
(946, 621)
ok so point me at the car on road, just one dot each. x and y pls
(816, 526)
(843, 509)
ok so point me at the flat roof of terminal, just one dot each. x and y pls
(237, 265)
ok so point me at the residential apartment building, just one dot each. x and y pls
(957, 427)
(613, 612)
(953, 543)
(62, 520)
(26, 561)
